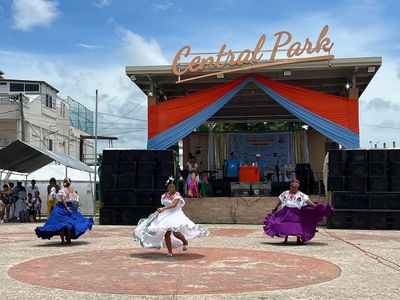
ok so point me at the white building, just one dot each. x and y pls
(33, 112)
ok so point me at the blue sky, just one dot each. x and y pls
(80, 46)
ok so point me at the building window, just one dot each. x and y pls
(16, 87)
(32, 87)
(62, 110)
(50, 102)
(50, 145)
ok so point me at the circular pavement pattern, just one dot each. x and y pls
(199, 271)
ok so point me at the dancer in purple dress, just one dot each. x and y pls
(298, 217)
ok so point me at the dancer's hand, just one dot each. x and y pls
(160, 209)
(68, 209)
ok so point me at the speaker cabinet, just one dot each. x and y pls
(124, 215)
(128, 168)
(127, 182)
(336, 183)
(221, 189)
(356, 183)
(120, 197)
(109, 168)
(112, 156)
(147, 168)
(378, 184)
(145, 182)
(394, 169)
(337, 169)
(336, 156)
(356, 156)
(393, 156)
(377, 156)
(377, 169)
(146, 155)
(347, 200)
(149, 197)
(165, 156)
(357, 169)
(109, 181)
(395, 183)
(166, 169)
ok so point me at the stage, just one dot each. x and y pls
(234, 210)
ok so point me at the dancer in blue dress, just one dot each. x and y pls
(65, 220)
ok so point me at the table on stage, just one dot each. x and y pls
(249, 174)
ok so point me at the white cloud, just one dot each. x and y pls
(88, 46)
(165, 6)
(102, 3)
(32, 13)
(79, 80)
(136, 50)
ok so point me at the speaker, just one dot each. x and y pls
(394, 169)
(394, 183)
(111, 156)
(146, 168)
(145, 182)
(393, 155)
(377, 169)
(356, 156)
(339, 220)
(124, 215)
(120, 197)
(165, 168)
(109, 168)
(240, 189)
(336, 183)
(128, 156)
(146, 155)
(356, 183)
(110, 215)
(278, 188)
(128, 168)
(165, 156)
(160, 181)
(347, 200)
(109, 181)
(149, 197)
(359, 219)
(377, 184)
(384, 220)
(221, 189)
(390, 201)
(127, 181)
(337, 169)
(336, 156)
(377, 156)
(357, 169)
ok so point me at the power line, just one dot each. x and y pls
(380, 126)
(10, 111)
(30, 125)
(122, 117)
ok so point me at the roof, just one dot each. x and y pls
(251, 104)
(23, 158)
(30, 81)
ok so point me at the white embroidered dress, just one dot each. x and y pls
(150, 231)
(297, 200)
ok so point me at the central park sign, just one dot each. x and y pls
(247, 59)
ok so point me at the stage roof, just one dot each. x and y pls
(252, 104)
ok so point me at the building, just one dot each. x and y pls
(33, 112)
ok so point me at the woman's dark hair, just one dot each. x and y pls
(52, 180)
(67, 182)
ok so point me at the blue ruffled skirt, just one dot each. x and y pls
(60, 219)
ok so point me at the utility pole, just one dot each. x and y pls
(95, 155)
(21, 110)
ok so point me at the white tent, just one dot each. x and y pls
(20, 161)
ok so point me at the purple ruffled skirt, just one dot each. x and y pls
(296, 222)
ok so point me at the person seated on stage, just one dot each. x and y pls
(192, 180)
(261, 163)
(232, 166)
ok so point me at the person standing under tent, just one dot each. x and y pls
(232, 167)
(65, 220)
(52, 190)
(261, 163)
(168, 223)
(298, 217)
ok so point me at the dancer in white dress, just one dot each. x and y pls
(168, 223)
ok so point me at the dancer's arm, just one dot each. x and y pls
(64, 202)
(279, 204)
(309, 202)
(172, 205)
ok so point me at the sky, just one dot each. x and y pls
(79, 46)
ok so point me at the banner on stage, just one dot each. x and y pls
(275, 148)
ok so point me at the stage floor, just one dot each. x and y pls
(233, 262)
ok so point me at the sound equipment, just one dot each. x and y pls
(147, 168)
(165, 156)
(357, 169)
(278, 188)
(124, 215)
(109, 181)
(346, 200)
(109, 168)
(393, 155)
(356, 183)
(348, 219)
(240, 189)
(337, 169)
(395, 183)
(394, 169)
(120, 197)
(306, 177)
(112, 156)
(377, 184)
(377, 156)
(160, 181)
(336, 183)
(221, 189)
(146, 155)
(165, 168)
(149, 197)
(377, 169)
(260, 189)
(128, 155)
(127, 168)
(127, 182)
(336, 156)
(356, 156)
(145, 182)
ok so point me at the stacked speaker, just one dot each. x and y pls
(132, 183)
(366, 188)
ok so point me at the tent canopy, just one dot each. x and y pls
(23, 158)
(333, 116)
